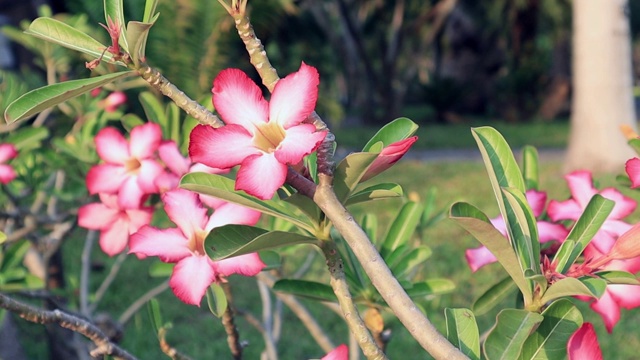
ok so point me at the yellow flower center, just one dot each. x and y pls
(196, 243)
(132, 165)
(268, 136)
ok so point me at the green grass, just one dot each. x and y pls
(458, 136)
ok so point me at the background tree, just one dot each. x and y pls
(602, 86)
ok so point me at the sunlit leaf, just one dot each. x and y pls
(530, 170)
(137, 33)
(411, 260)
(375, 192)
(403, 227)
(309, 289)
(507, 337)
(618, 277)
(399, 129)
(216, 300)
(430, 287)
(349, 172)
(494, 296)
(462, 331)
(523, 229)
(571, 287)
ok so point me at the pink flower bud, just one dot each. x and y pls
(389, 156)
(114, 100)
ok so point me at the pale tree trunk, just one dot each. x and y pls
(602, 86)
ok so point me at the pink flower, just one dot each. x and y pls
(114, 223)
(184, 245)
(7, 152)
(389, 156)
(339, 353)
(547, 231)
(583, 344)
(113, 101)
(616, 296)
(178, 166)
(130, 169)
(632, 167)
(262, 137)
(581, 188)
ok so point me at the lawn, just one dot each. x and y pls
(196, 333)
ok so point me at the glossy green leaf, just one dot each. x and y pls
(375, 192)
(234, 240)
(571, 287)
(635, 145)
(430, 287)
(530, 169)
(618, 277)
(354, 272)
(113, 10)
(173, 113)
(129, 121)
(154, 110)
(591, 220)
(369, 224)
(399, 129)
(462, 331)
(309, 289)
(402, 227)
(306, 205)
(478, 225)
(349, 172)
(271, 259)
(564, 256)
(494, 296)
(27, 137)
(45, 97)
(223, 188)
(137, 33)
(411, 260)
(149, 10)
(549, 341)
(216, 300)
(507, 337)
(523, 229)
(14, 254)
(62, 34)
(161, 269)
(153, 308)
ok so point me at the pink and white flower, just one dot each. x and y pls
(583, 344)
(113, 101)
(389, 156)
(547, 231)
(130, 168)
(114, 223)
(184, 245)
(177, 166)
(7, 173)
(581, 187)
(632, 167)
(339, 353)
(262, 137)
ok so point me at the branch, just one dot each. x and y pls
(133, 308)
(167, 349)
(233, 338)
(103, 345)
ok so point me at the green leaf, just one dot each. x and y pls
(309, 289)
(113, 10)
(564, 257)
(306, 205)
(591, 220)
(14, 255)
(402, 228)
(271, 259)
(618, 277)
(62, 34)
(154, 110)
(369, 224)
(3, 237)
(399, 129)
(493, 296)
(45, 97)
(530, 170)
(149, 10)
(571, 287)
(507, 337)
(153, 308)
(523, 229)
(137, 33)
(234, 240)
(375, 192)
(27, 137)
(161, 269)
(462, 331)
(129, 121)
(223, 188)
(478, 225)
(349, 172)
(414, 258)
(635, 145)
(216, 300)
(430, 287)
(549, 341)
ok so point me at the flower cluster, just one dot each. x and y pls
(131, 171)
(7, 173)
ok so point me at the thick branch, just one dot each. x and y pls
(81, 326)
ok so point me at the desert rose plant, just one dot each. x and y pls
(258, 177)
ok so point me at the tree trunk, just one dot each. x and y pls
(602, 86)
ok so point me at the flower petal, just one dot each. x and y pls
(172, 158)
(261, 176)
(294, 97)
(139, 218)
(583, 344)
(97, 216)
(147, 175)
(105, 178)
(229, 213)
(389, 156)
(7, 152)
(114, 239)
(111, 146)
(184, 208)
(479, 257)
(130, 194)
(7, 174)
(300, 141)
(581, 186)
(537, 200)
(632, 167)
(564, 210)
(191, 277)
(549, 231)
(608, 309)
(624, 206)
(222, 148)
(246, 265)
(239, 100)
(144, 140)
(169, 245)
(627, 296)
(339, 353)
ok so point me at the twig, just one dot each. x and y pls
(233, 338)
(169, 350)
(267, 321)
(81, 326)
(85, 268)
(136, 305)
(113, 272)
